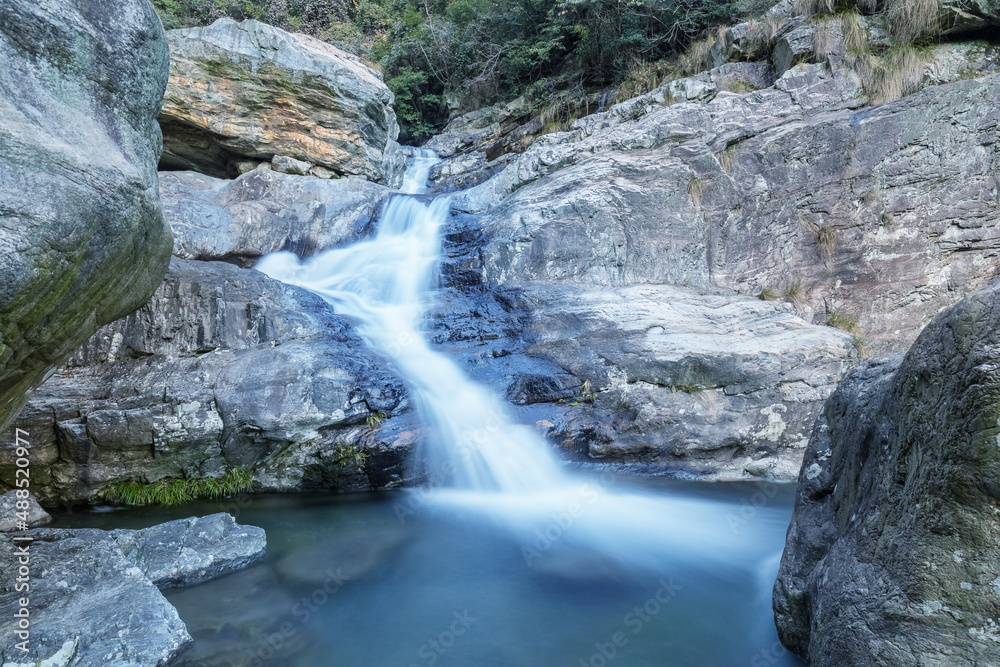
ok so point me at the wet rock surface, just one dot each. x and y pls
(223, 367)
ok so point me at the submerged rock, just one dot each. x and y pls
(83, 238)
(893, 553)
(191, 551)
(250, 90)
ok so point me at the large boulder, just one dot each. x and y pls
(893, 553)
(265, 211)
(83, 238)
(250, 90)
(88, 605)
(223, 367)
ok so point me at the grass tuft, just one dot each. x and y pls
(861, 345)
(177, 490)
(896, 73)
(913, 20)
(855, 33)
(767, 294)
(842, 321)
(826, 237)
(793, 292)
(696, 187)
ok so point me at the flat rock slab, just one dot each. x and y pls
(89, 605)
(191, 551)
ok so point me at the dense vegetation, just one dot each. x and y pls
(443, 55)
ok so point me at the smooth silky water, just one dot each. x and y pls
(506, 558)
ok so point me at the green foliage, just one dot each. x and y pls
(177, 490)
(475, 52)
(351, 455)
(767, 294)
(375, 418)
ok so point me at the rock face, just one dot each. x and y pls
(249, 90)
(664, 376)
(788, 189)
(223, 367)
(80, 224)
(265, 211)
(89, 605)
(892, 555)
(191, 551)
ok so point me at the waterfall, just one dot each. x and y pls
(492, 465)
(384, 284)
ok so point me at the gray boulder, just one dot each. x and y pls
(892, 555)
(80, 224)
(88, 605)
(264, 211)
(191, 551)
(250, 90)
(35, 515)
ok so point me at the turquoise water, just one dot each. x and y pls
(384, 579)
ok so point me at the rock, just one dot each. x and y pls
(36, 516)
(250, 90)
(191, 551)
(223, 367)
(289, 165)
(892, 555)
(264, 211)
(80, 221)
(733, 194)
(89, 605)
(678, 380)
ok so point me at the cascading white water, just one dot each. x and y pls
(383, 284)
(493, 466)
